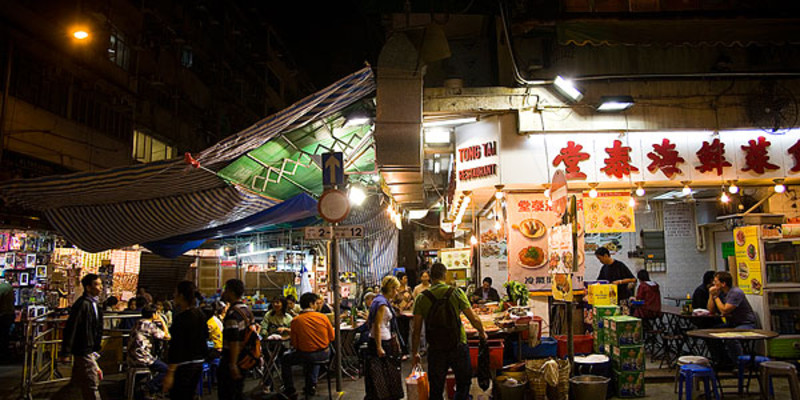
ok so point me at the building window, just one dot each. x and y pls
(186, 56)
(148, 149)
(118, 51)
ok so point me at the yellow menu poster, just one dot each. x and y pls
(608, 212)
(748, 259)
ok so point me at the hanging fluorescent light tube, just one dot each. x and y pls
(449, 122)
(615, 103)
(437, 136)
(255, 253)
(567, 88)
(417, 214)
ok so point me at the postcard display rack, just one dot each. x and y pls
(24, 263)
(118, 269)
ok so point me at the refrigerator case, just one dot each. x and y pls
(779, 306)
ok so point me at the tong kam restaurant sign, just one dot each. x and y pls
(477, 155)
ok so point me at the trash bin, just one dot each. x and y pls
(510, 388)
(588, 387)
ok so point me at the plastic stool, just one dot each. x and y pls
(689, 372)
(770, 369)
(325, 365)
(205, 377)
(130, 380)
(744, 363)
(686, 360)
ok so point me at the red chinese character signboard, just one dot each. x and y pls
(795, 152)
(618, 163)
(712, 156)
(571, 156)
(665, 158)
(757, 158)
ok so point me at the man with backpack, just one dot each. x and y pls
(311, 335)
(440, 307)
(240, 343)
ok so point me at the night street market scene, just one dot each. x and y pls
(399, 199)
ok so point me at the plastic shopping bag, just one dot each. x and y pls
(417, 386)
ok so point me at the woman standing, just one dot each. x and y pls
(188, 348)
(384, 345)
(214, 324)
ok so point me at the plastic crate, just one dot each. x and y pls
(495, 353)
(784, 348)
(583, 344)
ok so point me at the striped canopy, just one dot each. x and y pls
(119, 207)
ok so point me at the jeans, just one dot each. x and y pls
(305, 359)
(229, 388)
(185, 382)
(85, 375)
(159, 370)
(732, 348)
(458, 360)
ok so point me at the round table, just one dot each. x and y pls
(747, 335)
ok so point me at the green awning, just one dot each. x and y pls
(289, 163)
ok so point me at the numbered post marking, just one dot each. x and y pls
(349, 231)
(318, 232)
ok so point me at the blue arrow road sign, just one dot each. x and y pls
(332, 169)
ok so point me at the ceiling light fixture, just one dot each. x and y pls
(497, 225)
(615, 103)
(437, 136)
(80, 34)
(473, 240)
(567, 88)
(593, 190)
(417, 214)
(357, 195)
(358, 118)
(640, 190)
(499, 194)
(687, 191)
(449, 122)
(632, 202)
(779, 186)
(724, 197)
(733, 189)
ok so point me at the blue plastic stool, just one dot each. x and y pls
(205, 377)
(744, 363)
(689, 373)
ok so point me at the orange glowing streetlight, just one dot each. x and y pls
(80, 34)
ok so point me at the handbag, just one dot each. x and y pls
(417, 385)
(385, 378)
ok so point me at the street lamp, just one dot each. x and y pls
(80, 34)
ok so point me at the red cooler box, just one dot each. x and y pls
(583, 344)
(495, 353)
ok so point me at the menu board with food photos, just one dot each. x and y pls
(609, 212)
(748, 259)
(529, 257)
(456, 258)
(493, 251)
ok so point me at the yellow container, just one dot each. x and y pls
(602, 295)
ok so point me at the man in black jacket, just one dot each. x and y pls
(83, 335)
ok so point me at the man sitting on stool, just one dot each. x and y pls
(733, 305)
(311, 334)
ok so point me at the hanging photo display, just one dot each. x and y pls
(493, 250)
(562, 287)
(455, 258)
(748, 261)
(529, 221)
(609, 212)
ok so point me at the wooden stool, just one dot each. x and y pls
(770, 369)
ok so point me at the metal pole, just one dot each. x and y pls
(337, 317)
(5, 97)
(573, 218)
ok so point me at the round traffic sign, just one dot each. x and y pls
(333, 205)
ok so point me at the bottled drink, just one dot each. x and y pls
(688, 304)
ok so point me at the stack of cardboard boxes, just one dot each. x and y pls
(624, 343)
(599, 313)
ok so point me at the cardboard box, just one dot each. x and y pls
(622, 330)
(630, 383)
(600, 312)
(628, 358)
(599, 340)
(602, 295)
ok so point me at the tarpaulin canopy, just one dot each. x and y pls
(145, 203)
(301, 208)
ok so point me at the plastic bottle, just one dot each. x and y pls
(689, 308)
